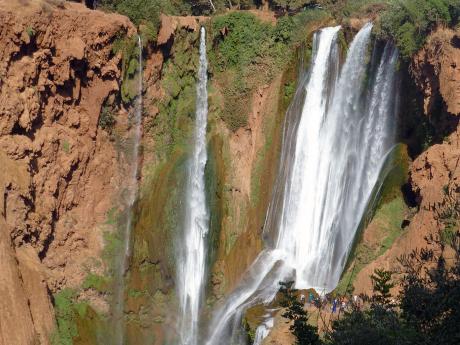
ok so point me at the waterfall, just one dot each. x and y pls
(336, 138)
(263, 330)
(130, 200)
(191, 265)
(325, 194)
(135, 156)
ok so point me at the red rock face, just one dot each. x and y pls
(436, 69)
(59, 170)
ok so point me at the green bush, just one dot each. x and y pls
(67, 310)
(291, 5)
(247, 53)
(147, 11)
(246, 35)
(409, 22)
(128, 47)
(107, 119)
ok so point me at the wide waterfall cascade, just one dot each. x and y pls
(327, 192)
(338, 131)
(130, 200)
(191, 265)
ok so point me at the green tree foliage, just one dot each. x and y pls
(147, 12)
(430, 297)
(373, 326)
(428, 311)
(291, 5)
(381, 283)
(305, 333)
(409, 22)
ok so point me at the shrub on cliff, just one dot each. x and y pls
(146, 11)
(248, 52)
(409, 22)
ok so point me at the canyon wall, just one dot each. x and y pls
(64, 153)
(61, 172)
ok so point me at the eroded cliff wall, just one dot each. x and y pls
(60, 172)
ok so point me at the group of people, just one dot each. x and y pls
(335, 303)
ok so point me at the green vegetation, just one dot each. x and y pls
(77, 322)
(66, 146)
(173, 126)
(128, 48)
(96, 282)
(291, 5)
(425, 311)
(449, 215)
(409, 22)
(67, 310)
(382, 284)
(107, 118)
(30, 31)
(247, 53)
(147, 12)
(304, 333)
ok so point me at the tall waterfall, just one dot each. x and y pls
(191, 265)
(131, 198)
(338, 131)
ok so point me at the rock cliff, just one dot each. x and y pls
(60, 170)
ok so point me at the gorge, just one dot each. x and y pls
(167, 164)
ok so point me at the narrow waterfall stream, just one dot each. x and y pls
(131, 199)
(336, 138)
(191, 265)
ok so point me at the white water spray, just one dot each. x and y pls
(191, 265)
(336, 138)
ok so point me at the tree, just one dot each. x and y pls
(430, 296)
(381, 283)
(305, 333)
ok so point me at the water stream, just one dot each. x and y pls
(191, 265)
(338, 131)
(132, 191)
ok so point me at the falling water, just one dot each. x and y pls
(135, 154)
(130, 200)
(191, 266)
(336, 137)
(263, 330)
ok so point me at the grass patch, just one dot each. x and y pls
(66, 146)
(77, 322)
(96, 282)
(30, 31)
